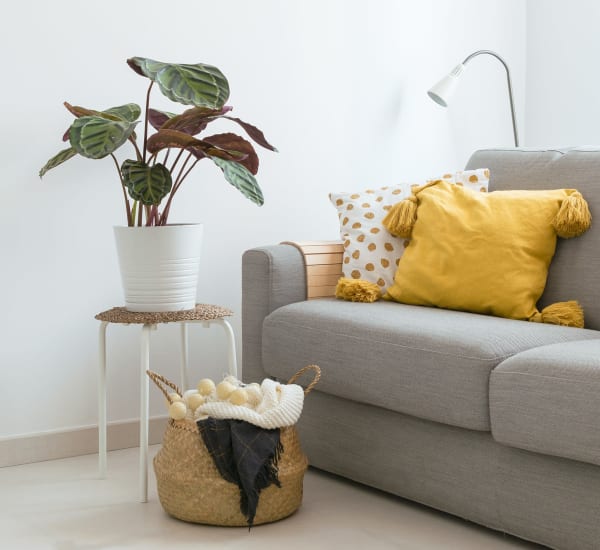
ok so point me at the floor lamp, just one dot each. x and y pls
(445, 87)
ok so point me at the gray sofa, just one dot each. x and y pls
(493, 420)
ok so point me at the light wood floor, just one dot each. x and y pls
(61, 505)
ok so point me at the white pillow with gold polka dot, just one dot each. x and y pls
(370, 252)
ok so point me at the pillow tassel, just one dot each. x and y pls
(402, 216)
(569, 314)
(357, 290)
(573, 217)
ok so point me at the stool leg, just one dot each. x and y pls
(230, 347)
(144, 391)
(102, 401)
(184, 357)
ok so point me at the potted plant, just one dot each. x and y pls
(155, 277)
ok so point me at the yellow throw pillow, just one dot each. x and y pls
(371, 254)
(485, 253)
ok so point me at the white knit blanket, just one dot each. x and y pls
(281, 406)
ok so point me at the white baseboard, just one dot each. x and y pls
(76, 441)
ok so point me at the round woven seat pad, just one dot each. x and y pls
(202, 312)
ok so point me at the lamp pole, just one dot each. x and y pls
(510, 92)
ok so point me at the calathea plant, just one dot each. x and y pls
(165, 158)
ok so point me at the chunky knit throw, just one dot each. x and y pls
(281, 406)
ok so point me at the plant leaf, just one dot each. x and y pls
(129, 112)
(194, 120)
(233, 143)
(157, 118)
(57, 159)
(241, 178)
(164, 139)
(254, 133)
(171, 138)
(200, 85)
(96, 137)
(78, 111)
(147, 184)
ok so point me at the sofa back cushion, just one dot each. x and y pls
(575, 269)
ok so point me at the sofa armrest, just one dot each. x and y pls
(272, 276)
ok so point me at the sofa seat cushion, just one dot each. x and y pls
(547, 400)
(426, 362)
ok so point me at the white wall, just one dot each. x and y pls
(337, 85)
(563, 73)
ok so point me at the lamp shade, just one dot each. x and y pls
(441, 92)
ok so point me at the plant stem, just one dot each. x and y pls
(166, 157)
(127, 205)
(149, 215)
(139, 220)
(165, 214)
(179, 180)
(146, 119)
(186, 174)
(134, 211)
(138, 154)
(176, 160)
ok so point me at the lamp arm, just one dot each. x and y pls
(510, 91)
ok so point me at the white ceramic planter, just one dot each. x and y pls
(159, 266)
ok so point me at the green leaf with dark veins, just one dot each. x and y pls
(200, 85)
(96, 137)
(78, 111)
(241, 178)
(147, 184)
(57, 159)
(129, 112)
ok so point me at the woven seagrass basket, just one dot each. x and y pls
(190, 487)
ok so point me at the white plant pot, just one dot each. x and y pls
(159, 266)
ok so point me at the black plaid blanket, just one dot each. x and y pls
(245, 455)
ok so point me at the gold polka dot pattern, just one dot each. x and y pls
(370, 252)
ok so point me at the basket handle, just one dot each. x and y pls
(161, 382)
(316, 378)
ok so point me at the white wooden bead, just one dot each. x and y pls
(174, 396)
(206, 386)
(239, 397)
(177, 410)
(224, 390)
(194, 400)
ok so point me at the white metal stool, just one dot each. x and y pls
(203, 314)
